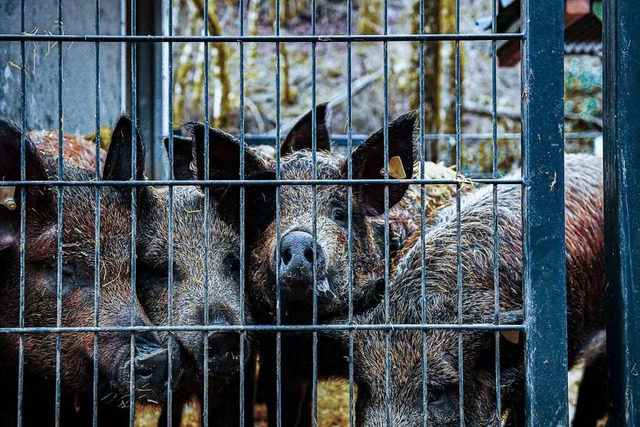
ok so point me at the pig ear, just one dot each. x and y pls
(224, 164)
(368, 163)
(259, 205)
(367, 299)
(184, 167)
(300, 136)
(224, 155)
(117, 166)
(340, 337)
(10, 141)
(511, 345)
(372, 295)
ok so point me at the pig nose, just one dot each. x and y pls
(151, 373)
(223, 344)
(146, 341)
(224, 353)
(296, 255)
(150, 366)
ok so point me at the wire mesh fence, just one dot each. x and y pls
(242, 279)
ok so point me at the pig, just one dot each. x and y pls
(593, 395)
(76, 149)
(77, 292)
(296, 213)
(190, 267)
(410, 405)
(292, 257)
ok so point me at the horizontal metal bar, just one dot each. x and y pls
(289, 38)
(280, 328)
(276, 182)
(340, 140)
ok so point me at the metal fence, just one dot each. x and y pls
(621, 214)
(543, 204)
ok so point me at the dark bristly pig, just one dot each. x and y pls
(592, 405)
(206, 281)
(585, 287)
(70, 282)
(291, 258)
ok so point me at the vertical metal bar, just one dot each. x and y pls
(23, 213)
(134, 223)
(242, 396)
(171, 153)
(96, 236)
(622, 218)
(494, 174)
(458, 222)
(314, 225)
(543, 214)
(207, 150)
(124, 93)
(158, 121)
(350, 215)
(60, 191)
(278, 230)
(423, 225)
(387, 308)
(459, 289)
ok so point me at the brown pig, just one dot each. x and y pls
(49, 291)
(206, 283)
(298, 257)
(439, 403)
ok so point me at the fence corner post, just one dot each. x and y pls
(621, 46)
(545, 294)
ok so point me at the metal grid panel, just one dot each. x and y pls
(544, 250)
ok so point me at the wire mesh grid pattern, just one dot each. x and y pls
(542, 227)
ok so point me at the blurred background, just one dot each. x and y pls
(462, 80)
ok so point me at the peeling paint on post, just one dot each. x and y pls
(622, 207)
(543, 226)
(41, 65)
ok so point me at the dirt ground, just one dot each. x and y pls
(333, 405)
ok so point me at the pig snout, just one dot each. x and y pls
(296, 260)
(150, 367)
(223, 347)
(224, 352)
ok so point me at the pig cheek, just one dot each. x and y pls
(263, 258)
(266, 255)
(77, 307)
(333, 240)
(39, 353)
(79, 311)
(188, 312)
(484, 406)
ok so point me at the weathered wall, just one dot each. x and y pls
(79, 65)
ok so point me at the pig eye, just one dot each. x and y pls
(442, 398)
(339, 215)
(160, 272)
(437, 397)
(68, 274)
(233, 266)
(69, 277)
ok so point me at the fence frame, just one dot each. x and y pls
(622, 208)
(543, 197)
(543, 215)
